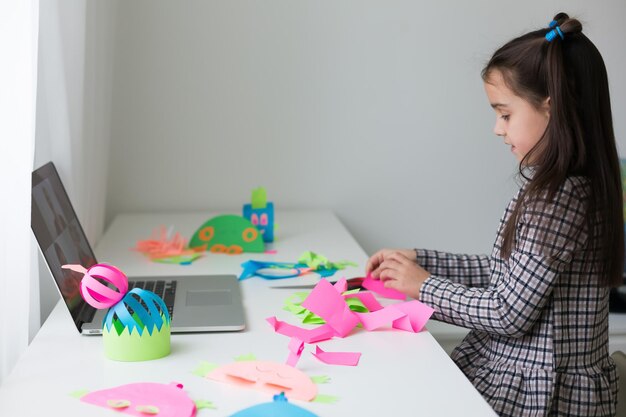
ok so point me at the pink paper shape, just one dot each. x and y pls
(329, 304)
(317, 334)
(417, 314)
(377, 286)
(296, 346)
(267, 376)
(170, 399)
(337, 358)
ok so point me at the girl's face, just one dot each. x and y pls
(518, 122)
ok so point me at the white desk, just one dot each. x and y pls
(400, 373)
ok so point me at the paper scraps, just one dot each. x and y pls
(160, 247)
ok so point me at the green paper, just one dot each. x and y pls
(320, 379)
(200, 404)
(325, 399)
(178, 259)
(132, 347)
(79, 393)
(259, 198)
(245, 357)
(316, 261)
(204, 368)
(229, 234)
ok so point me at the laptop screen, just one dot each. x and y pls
(61, 239)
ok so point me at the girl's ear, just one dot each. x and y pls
(545, 107)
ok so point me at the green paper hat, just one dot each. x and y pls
(228, 234)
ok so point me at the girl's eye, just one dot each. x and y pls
(505, 117)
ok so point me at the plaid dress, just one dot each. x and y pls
(539, 320)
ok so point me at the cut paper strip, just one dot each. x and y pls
(141, 399)
(296, 346)
(267, 376)
(317, 334)
(228, 234)
(330, 305)
(374, 320)
(280, 407)
(337, 358)
(377, 286)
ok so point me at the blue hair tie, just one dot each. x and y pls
(553, 24)
(553, 33)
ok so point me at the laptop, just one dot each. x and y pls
(196, 303)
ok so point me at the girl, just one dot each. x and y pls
(538, 307)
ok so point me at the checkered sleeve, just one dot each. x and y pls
(548, 232)
(469, 270)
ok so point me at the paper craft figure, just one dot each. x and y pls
(280, 407)
(229, 234)
(147, 398)
(267, 376)
(261, 213)
(137, 325)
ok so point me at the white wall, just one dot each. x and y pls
(374, 109)
(74, 109)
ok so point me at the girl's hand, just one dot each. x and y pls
(403, 274)
(373, 263)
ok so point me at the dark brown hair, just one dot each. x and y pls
(579, 139)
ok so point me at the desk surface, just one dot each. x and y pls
(400, 373)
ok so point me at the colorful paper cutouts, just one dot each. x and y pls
(272, 270)
(321, 265)
(267, 376)
(137, 325)
(280, 407)
(229, 234)
(327, 302)
(161, 248)
(261, 214)
(146, 398)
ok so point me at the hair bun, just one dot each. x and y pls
(567, 24)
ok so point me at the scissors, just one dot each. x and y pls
(353, 284)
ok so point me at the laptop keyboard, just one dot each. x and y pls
(164, 289)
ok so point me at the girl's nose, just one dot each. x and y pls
(498, 130)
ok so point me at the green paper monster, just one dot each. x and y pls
(228, 233)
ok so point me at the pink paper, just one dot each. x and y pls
(296, 346)
(329, 304)
(337, 358)
(317, 334)
(378, 287)
(169, 399)
(341, 286)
